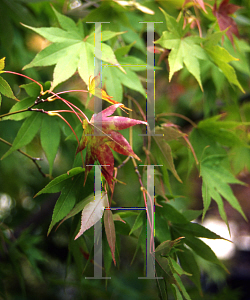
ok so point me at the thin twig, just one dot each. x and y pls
(34, 159)
(38, 100)
(177, 115)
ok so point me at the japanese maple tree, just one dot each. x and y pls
(188, 165)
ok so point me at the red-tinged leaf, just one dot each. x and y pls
(99, 144)
(121, 145)
(92, 213)
(105, 157)
(110, 231)
(199, 2)
(113, 123)
(224, 20)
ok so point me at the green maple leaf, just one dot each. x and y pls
(98, 143)
(221, 58)
(115, 79)
(213, 134)
(5, 89)
(216, 180)
(71, 50)
(184, 50)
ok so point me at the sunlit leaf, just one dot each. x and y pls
(92, 213)
(6, 90)
(70, 50)
(2, 64)
(184, 50)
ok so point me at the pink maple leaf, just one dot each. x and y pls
(199, 2)
(99, 135)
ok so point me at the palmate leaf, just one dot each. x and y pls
(216, 180)
(224, 20)
(221, 58)
(187, 51)
(213, 133)
(98, 143)
(184, 50)
(114, 79)
(70, 50)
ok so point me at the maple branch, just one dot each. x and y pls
(177, 115)
(71, 91)
(37, 101)
(138, 105)
(124, 162)
(34, 159)
(115, 179)
(13, 113)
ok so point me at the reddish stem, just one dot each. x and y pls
(70, 91)
(70, 105)
(11, 72)
(52, 113)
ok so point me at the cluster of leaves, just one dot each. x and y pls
(188, 50)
